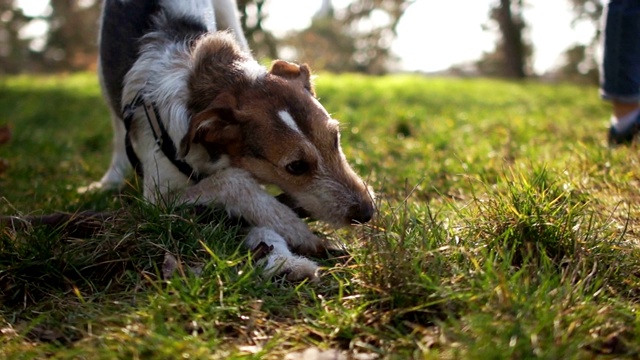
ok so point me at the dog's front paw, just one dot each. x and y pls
(273, 254)
(292, 267)
(99, 186)
(94, 186)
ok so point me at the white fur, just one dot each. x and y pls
(164, 73)
(252, 69)
(287, 119)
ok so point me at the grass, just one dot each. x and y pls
(506, 229)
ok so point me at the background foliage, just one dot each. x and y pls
(344, 39)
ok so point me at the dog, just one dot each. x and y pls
(206, 124)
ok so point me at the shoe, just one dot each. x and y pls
(625, 136)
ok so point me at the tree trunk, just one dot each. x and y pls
(513, 50)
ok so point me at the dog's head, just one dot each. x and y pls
(275, 128)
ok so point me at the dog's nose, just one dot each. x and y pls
(362, 212)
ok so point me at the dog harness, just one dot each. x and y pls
(160, 134)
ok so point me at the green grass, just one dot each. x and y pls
(506, 229)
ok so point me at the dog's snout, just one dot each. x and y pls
(362, 212)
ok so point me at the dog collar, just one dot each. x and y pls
(160, 134)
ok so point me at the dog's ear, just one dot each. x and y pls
(293, 71)
(216, 127)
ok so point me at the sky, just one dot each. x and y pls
(453, 36)
(435, 34)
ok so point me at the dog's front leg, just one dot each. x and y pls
(242, 196)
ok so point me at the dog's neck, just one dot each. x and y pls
(205, 65)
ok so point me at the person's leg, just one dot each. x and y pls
(622, 109)
(620, 81)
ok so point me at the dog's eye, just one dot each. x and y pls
(298, 167)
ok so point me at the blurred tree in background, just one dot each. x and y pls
(357, 38)
(62, 38)
(15, 55)
(512, 55)
(72, 37)
(354, 37)
(261, 41)
(581, 61)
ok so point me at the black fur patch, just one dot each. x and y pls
(181, 29)
(124, 23)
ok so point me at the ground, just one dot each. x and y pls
(506, 228)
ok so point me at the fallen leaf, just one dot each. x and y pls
(251, 349)
(261, 251)
(5, 134)
(169, 266)
(8, 332)
(4, 165)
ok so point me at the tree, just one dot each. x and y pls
(73, 35)
(579, 65)
(580, 62)
(589, 10)
(356, 38)
(69, 44)
(14, 49)
(512, 55)
(261, 41)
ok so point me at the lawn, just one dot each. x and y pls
(506, 228)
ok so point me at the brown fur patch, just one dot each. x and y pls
(215, 59)
(215, 128)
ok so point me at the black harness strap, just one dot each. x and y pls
(163, 140)
(127, 115)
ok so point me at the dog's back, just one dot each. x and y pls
(125, 23)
